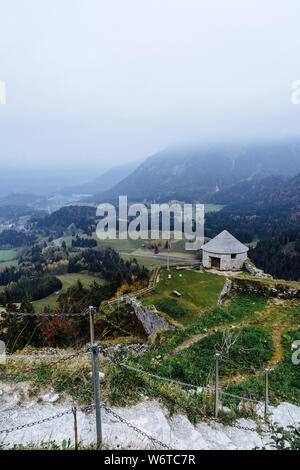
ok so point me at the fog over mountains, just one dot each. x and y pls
(196, 172)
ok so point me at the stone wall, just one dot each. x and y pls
(227, 263)
(149, 317)
(225, 291)
(257, 287)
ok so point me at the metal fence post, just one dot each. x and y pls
(95, 350)
(74, 410)
(91, 315)
(217, 356)
(266, 392)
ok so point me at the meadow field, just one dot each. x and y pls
(67, 281)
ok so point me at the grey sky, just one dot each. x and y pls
(102, 82)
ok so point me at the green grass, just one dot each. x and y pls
(241, 307)
(7, 255)
(284, 378)
(129, 246)
(253, 348)
(118, 245)
(213, 207)
(8, 258)
(67, 280)
(175, 309)
(200, 291)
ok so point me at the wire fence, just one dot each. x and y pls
(83, 410)
(45, 315)
(266, 429)
(65, 357)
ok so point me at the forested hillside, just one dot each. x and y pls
(280, 255)
(79, 217)
(256, 209)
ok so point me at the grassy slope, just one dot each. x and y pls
(267, 330)
(200, 291)
(67, 280)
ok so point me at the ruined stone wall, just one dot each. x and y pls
(225, 291)
(149, 317)
(257, 287)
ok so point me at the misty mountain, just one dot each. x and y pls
(103, 182)
(196, 173)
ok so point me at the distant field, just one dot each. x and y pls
(212, 207)
(200, 291)
(8, 264)
(130, 246)
(7, 255)
(67, 280)
(149, 263)
(8, 258)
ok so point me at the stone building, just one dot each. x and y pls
(224, 252)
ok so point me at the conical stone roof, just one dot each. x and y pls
(225, 243)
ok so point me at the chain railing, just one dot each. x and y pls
(135, 428)
(84, 409)
(44, 315)
(95, 350)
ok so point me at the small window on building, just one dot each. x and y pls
(233, 256)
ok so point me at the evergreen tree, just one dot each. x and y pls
(9, 304)
(26, 305)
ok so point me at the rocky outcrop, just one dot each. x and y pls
(149, 317)
(254, 271)
(149, 416)
(225, 291)
(135, 349)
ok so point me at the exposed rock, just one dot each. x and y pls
(135, 349)
(284, 414)
(101, 375)
(149, 416)
(50, 397)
